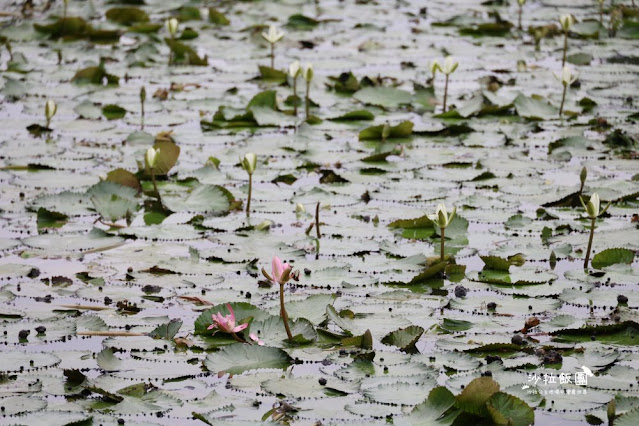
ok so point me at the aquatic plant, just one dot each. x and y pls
(593, 210)
(50, 108)
(442, 219)
(273, 36)
(249, 163)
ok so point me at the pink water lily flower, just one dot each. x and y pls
(226, 323)
(280, 271)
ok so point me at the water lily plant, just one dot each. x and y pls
(521, 4)
(447, 68)
(249, 163)
(582, 178)
(50, 108)
(566, 22)
(593, 210)
(308, 76)
(172, 28)
(273, 36)
(295, 70)
(226, 324)
(151, 159)
(442, 219)
(142, 100)
(281, 273)
(567, 78)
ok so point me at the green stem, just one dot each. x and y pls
(250, 193)
(284, 314)
(592, 234)
(48, 123)
(519, 19)
(563, 99)
(445, 92)
(308, 100)
(601, 8)
(563, 60)
(295, 96)
(441, 247)
(317, 223)
(142, 113)
(155, 187)
(272, 55)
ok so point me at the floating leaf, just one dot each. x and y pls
(238, 358)
(612, 256)
(404, 338)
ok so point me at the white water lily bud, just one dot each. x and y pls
(295, 69)
(566, 22)
(583, 175)
(566, 77)
(152, 157)
(308, 72)
(593, 206)
(172, 26)
(441, 217)
(249, 162)
(300, 209)
(50, 108)
(274, 35)
(521, 2)
(449, 66)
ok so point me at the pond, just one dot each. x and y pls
(319, 212)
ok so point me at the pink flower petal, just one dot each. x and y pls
(277, 268)
(240, 327)
(231, 311)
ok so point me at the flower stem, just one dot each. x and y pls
(308, 100)
(592, 234)
(155, 187)
(142, 115)
(519, 19)
(317, 223)
(250, 193)
(48, 122)
(563, 99)
(441, 247)
(601, 9)
(563, 60)
(237, 338)
(284, 314)
(272, 55)
(295, 96)
(445, 92)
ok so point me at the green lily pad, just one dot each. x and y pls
(612, 256)
(238, 358)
